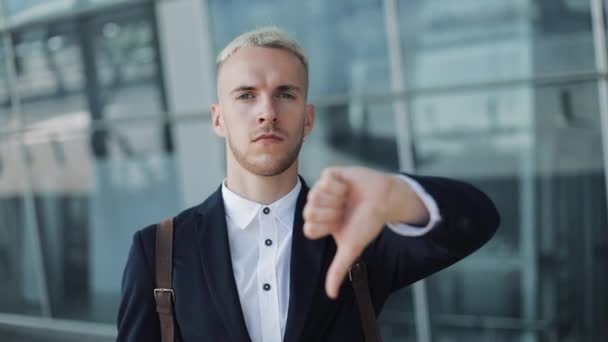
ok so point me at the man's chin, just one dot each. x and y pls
(269, 168)
(269, 172)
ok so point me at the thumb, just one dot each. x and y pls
(343, 259)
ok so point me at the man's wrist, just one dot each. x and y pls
(404, 205)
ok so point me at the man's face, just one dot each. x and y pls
(262, 111)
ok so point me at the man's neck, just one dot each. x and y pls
(261, 189)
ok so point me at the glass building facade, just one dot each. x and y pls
(104, 129)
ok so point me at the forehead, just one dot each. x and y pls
(261, 67)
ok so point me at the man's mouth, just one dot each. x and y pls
(268, 137)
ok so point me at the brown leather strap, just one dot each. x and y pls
(163, 293)
(358, 277)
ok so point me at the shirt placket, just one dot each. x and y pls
(267, 277)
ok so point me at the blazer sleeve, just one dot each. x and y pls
(137, 316)
(469, 220)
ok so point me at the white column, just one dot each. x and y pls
(35, 272)
(404, 148)
(601, 64)
(189, 74)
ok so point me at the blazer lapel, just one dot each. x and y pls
(306, 266)
(217, 266)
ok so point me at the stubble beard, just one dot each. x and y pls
(267, 168)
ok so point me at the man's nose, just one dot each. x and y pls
(267, 111)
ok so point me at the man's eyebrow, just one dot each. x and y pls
(292, 87)
(242, 88)
(283, 87)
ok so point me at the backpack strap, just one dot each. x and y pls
(165, 296)
(357, 274)
(163, 293)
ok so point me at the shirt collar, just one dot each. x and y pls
(242, 211)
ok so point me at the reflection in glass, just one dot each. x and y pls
(27, 11)
(49, 73)
(88, 210)
(21, 277)
(537, 153)
(86, 199)
(130, 192)
(127, 64)
(341, 61)
(447, 43)
(536, 150)
(350, 134)
(5, 102)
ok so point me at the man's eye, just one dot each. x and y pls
(245, 96)
(286, 96)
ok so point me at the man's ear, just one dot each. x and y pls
(217, 119)
(309, 119)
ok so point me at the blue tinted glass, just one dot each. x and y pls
(452, 42)
(344, 40)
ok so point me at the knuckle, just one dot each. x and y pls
(314, 215)
(328, 172)
(325, 185)
(318, 199)
(311, 229)
(307, 213)
(313, 196)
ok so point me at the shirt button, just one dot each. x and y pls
(268, 242)
(266, 210)
(266, 287)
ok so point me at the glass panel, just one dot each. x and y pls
(50, 75)
(350, 134)
(24, 11)
(537, 152)
(61, 182)
(139, 188)
(19, 334)
(397, 318)
(88, 206)
(446, 42)
(93, 185)
(108, 66)
(127, 64)
(320, 27)
(5, 102)
(200, 158)
(605, 7)
(20, 285)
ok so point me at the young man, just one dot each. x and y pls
(264, 257)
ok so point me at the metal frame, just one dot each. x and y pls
(73, 14)
(405, 150)
(52, 326)
(399, 96)
(601, 64)
(598, 23)
(31, 220)
(369, 98)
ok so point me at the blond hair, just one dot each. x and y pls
(270, 37)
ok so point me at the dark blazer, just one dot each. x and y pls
(207, 306)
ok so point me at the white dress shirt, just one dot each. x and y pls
(260, 248)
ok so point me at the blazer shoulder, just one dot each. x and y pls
(184, 222)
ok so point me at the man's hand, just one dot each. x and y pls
(352, 204)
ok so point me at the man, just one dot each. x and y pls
(264, 258)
